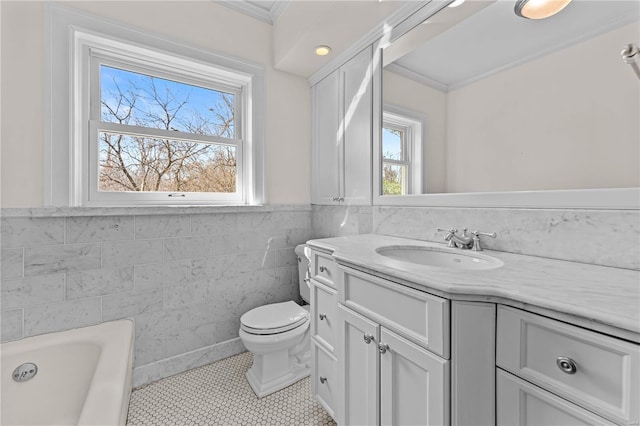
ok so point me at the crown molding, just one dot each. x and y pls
(249, 8)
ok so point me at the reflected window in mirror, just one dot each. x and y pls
(401, 152)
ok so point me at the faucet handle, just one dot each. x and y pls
(449, 237)
(477, 233)
(476, 239)
(450, 231)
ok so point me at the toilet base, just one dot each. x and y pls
(262, 389)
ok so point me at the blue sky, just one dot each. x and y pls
(391, 145)
(200, 100)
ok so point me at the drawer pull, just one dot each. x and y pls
(323, 379)
(383, 347)
(567, 365)
(322, 268)
(322, 316)
(368, 338)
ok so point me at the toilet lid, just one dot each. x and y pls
(274, 318)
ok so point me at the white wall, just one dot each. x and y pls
(568, 120)
(202, 24)
(431, 104)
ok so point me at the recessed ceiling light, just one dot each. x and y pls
(322, 50)
(539, 9)
(456, 3)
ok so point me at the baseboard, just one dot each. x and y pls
(157, 370)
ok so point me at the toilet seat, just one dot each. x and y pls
(274, 318)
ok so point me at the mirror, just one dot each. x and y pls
(478, 100)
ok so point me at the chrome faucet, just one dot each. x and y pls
(465, 241)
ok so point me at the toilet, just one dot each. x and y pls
(278, 336)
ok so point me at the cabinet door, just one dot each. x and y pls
(520, 403)
(358, 369)
(327, 140)
(414, 383)
(358, 114)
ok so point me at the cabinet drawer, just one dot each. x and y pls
(324, 383)
(417, 316)
(521, 404)
(324, 321)
(323, 268)
(607, 370)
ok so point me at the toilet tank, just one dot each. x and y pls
(303, 271)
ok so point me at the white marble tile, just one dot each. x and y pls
(242, 242)
(11, 322)
(148, 349)
(231, 265)
(99, 228)
(162, 226)
(154, 276)
(334, 221)
(12, 263)
(187, 294)
(124, 253)
(31, 232)
(32, 291)
(63, 258)
(61, 316)
(157, 324)
(213, 224)
(286, 257)
(187, 361)
(188, 248)
(602, 237)
(191, 339)
(99, 282)
(125, 305)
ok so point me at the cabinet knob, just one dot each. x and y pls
(323, 379)
(322, 268)
(567, 365)
(368, 338)
(383, 347)
(322, 316)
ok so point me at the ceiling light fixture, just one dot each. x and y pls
(456, 3)
(322, 50)
(539, 9)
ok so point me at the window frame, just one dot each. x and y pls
(406, 142)
(74, 52)
(412, 126)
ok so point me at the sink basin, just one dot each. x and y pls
(442, 258)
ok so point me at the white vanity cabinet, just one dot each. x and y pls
(387, 354)
(341, 142)
(323, 328)
(388, 375)
(554, 373)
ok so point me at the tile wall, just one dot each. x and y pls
(185, 279)
(602, 237)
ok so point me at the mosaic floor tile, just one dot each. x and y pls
(218, 394)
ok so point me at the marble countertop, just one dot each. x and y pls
(597, 297)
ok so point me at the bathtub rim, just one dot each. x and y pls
(107, 400)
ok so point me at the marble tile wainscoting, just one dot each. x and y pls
(601, 237)
(184, 275)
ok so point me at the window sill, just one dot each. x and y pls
(145, 210)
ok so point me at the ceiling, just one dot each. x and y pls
(474, 39)
(494, 38)
(299, 26)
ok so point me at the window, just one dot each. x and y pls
(401, 153)
(151, 122)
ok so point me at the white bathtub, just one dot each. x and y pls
(83, 377)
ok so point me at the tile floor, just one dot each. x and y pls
(218, 394)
